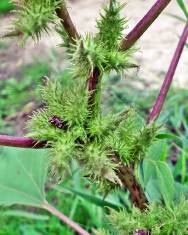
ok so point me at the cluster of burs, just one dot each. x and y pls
(73, 127)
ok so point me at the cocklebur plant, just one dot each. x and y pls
(109, 148)
(85, 135)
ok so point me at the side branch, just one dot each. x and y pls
(144, 24)
(21, 142)
(79, 230)
(169, 77)
(66, 21)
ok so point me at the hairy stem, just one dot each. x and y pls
(129, 182)
(169, 77)
(21, 142)
(66, 21)
(144, 24)
(65, 219)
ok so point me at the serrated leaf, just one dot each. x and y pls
(22, 176)
(165, 182)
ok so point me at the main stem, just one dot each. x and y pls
(125, 173)
(169, 77)
(65, 219)
(129, 182)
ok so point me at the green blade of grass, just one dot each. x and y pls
(88, 197)
(183, 7)
(177, 17)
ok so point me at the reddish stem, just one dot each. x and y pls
(144, 24)
(169, 77)
(66, 21)
(93, 82)
(65, 219)
(21, 142)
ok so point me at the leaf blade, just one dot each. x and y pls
(165, 182)
(22, 176)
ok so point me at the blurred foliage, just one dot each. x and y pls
(19, 93)
(15, 92)
(5, 6)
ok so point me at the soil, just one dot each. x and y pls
(156, 46)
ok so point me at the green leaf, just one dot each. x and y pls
(22, 176)
(183, 7)
(24, 214)
(153, 191)
(90, 198)
(158, 180)
(5, 6)
(178, 140)
(180, 190)
(166, 136)
(158, 150)
(149, 169)
(177, 17)
(28, 230)
(165, 182)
